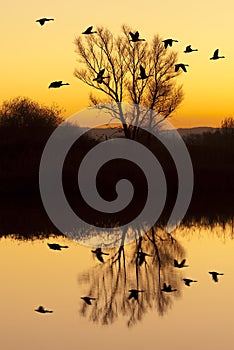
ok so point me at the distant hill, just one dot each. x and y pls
(196, 130)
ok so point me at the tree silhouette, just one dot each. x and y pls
(124, 61)
(227, 126)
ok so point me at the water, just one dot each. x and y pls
(195, 317)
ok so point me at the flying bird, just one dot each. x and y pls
(135, 37)
(43, 20)
(181, 264)
(168, 42)
(134, 293)
(99, 78)
(42, 310)
(189, 49)
(89, 30)
(56, 246)
(167, 288)
(57, 84)
(141, 257)
(88, 300)
(182, 66)
(216, 55)
(143, 74)
(215, 275)
(98, 252)
(187, 281)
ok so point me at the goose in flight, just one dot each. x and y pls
(98, 252)
(42, 310)
(189, 49)
(57, 84)
(134, 293)
(135, 37)
(56, 246)
(182, 66)
(181, 264)
(141, 257)
(167, 288)
(88, 300)
(187, 281)
(143, 74)
(216, 55)
(43, 20)
(99, 78)
(89, 30)
(215, 275)
(168, 42)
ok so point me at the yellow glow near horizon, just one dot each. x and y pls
(32, 56)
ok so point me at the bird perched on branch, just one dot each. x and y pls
(43, 20)
(89, 31)
(56, 246)
(98, 252)
(57, 84)
(135, 37)
(168, 42)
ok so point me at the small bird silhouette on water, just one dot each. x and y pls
(182, 66)
(56, 246)
(168, 42)
(135, 37)
(143, 74)
(215, 275)
(89, 31)
(141, 257)
(57, 84)
(216, 55)
(99, 78)
(43, 20)
(187, 281)
(181, 264)
(134, 293)
(98, 252)
(167, 288)
(42, 310)
(188, 49)
(88, 300)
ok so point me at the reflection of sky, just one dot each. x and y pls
(34, 275)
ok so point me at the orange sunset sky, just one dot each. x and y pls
(32, 56)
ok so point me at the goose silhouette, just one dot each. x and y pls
(167, 288)
(88, 300)
(188, 49)
(98, 252)
(135, 37)
(56, 246)
(57, 84)
(169, 42)
(89, 30)
(182, 66)
(141, 257)
(143, 74)
(42, 310)
(215, 275)
(216, 55)
(134, 293)
(181, 264)
(99, 78)
(188, 281)
(43, 20)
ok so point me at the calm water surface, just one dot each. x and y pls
(195, 317)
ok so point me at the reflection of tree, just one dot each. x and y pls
(110, 282)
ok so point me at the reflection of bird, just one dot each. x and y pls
(134, 293)
(215, 275)
(143, 74)
(88, 300)
(42, 310)
(181, 264)
(99, 253)
(187, 281)
(89, 31)
(141, 257)
(216, 55)
(168, 42)
(43, 20)
(189, 49)
(57, 84)
(182, 66)
(100, 77)
(135, 37)
(167, 288)
(56, 246)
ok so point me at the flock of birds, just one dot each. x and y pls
(141, 258)
(134, 37)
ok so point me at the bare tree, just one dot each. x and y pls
(139, 72)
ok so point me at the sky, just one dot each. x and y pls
(32, 56)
